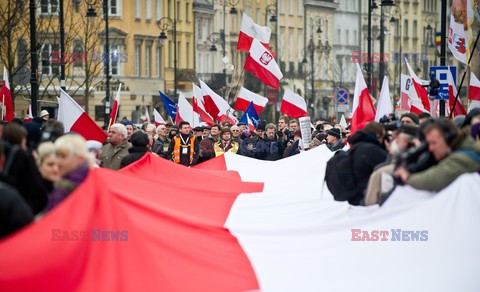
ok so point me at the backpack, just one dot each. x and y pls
(339, 175)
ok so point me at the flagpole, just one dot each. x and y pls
(239, 79)
(3, 104)
(463, 77)
(233, 78)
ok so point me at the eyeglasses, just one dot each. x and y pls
(235, 130)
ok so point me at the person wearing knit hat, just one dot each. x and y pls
(334, 141)
(409, 118)
(140, 142)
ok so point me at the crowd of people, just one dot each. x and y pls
(41, 165)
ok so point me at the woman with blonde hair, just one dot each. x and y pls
(47, 164)
(73, 164)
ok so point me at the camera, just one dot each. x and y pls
(416, 159)
(390, 122)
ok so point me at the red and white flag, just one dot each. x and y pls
(261, 63)
(363, 110)
(246, 96)
(158, 118)
(293, 105)
(216, 106)
(199, 106)
(249, 30)
(185, 112)
(114, 111)
(384, 104)
(419, 101)
(460, 32)
(29, 112)
(474, 92)
(452, 93)
(75, 119)
(406, 83)
(147, 115)
(6, 98)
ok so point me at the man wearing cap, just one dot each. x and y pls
(409, 118)
(44, 115)
(206, 132)
(242, 126)
(140, 141)
(198, 132)
(334, 139)
(129, 127)
(184, 148)
(207, 144)
(116, 149)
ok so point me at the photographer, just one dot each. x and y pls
(454, 151)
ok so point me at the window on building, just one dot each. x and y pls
(208, 64)
(158, 60)
(299, 7)
(138, 9)
(169, 8)
(148, 58)
(414, 32)
(137, 60)
(115, 59)
(115, 7)
(170, 55)
(22, 53)
(281, 6)
(339, 35)
(355, 37)
(187, 11)
(290, 45)
(178, 11)
(99, 113)
(79, 52)
(148, 9)
(290, 7)
(158, 9)
(188, 55)
(405, 28)
(347, 37)
(258, 15)
(47, 66)
(48, 7)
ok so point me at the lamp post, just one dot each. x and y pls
(381, 71)
(371, 6)
(163, 24)
(62, 46)
(33, 56)
(92, 13)
(395, 9)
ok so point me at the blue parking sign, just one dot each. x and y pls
(441, 76)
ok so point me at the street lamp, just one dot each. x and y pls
(371, 6)
(92, 13)
(394, 11)
(163, 24)
(33, 56)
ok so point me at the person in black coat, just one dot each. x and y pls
(271, 147)
(139, 147)
(367, 152)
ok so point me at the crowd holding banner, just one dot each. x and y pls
(211, 202)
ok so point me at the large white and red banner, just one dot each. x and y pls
(233, 235)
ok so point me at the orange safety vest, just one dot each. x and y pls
(177, 145)
(219, 151)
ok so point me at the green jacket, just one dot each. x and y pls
(448, 169)
(111, 156)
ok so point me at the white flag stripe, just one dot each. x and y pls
(250, 28)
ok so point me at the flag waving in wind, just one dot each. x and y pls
(158, 118)
(75, 119)
(249, 30)
(246, 96)
(293, 105)
(419, 101)
(114, 112)
(452, 94)
(460, 31)
(261, 63)
(170, 106)
(384, 104)
(199, 106)
(474, 91)
(362, 109)
(250, 117)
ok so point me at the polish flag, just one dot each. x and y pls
(114, 112)
(261, 62)
(362, 109)
(249, 31)
(147, 115)
(452, 94)
(474, 91)
(75, 119)
(6, 98)
(216, 106)
(406, 83)
(419, 101)
(293, 105)
(246, 96)
(199, 106)
(384, 104)
(185, 112)
(158, 118)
